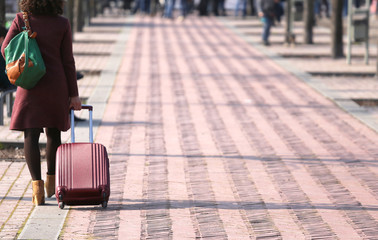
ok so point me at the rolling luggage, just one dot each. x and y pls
(82, 170)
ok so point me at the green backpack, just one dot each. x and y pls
(23, 48)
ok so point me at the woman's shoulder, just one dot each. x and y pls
(18, 20)
(62, 22)
(63, 19)
(19, 16)
(59, 19)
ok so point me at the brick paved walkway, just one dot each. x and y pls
(210, 138)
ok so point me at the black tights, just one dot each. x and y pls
(32, 152)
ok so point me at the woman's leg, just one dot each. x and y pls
(53, 142)
(32, 153)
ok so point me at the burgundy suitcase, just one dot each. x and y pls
(82, 171)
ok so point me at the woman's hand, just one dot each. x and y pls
(75, 103)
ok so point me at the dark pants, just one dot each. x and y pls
(202, 7)
(215, 7)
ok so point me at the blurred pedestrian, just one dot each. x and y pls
(126, 5)
(4, 81)
(357, 4)
(155, 7)
(241, 5)
(215, 7)
(47, 104)
(319, 7)
(203, 8)
(327, 8)
(252, 4)
(278, 11)
(267, 11)
(190, 6)
(222, 8)
(141, 5)
(170, 6)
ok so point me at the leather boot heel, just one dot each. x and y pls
(50, 185)
(38, 192)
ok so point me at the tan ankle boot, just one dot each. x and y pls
(38, 192)
(50, 185)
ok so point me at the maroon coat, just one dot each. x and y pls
(47, 104)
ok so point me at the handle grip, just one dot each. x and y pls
(90, 109)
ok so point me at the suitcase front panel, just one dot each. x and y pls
(82, 166)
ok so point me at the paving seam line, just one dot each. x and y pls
(41, 225)
(18, 201)
(348, 105)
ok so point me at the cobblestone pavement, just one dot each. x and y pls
(210, 138)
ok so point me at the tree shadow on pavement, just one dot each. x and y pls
(140, 204)
(291, 158)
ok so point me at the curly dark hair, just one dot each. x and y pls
(42, 7)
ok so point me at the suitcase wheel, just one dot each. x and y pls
(104, 204)
(61, 204)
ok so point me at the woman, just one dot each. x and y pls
(47, 104)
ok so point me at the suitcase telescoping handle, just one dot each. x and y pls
(90, 108)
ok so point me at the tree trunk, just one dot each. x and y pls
(2, 13)
(86, 12)
(253, 9)
(92, 7)
(288, 27)
(69, 13)
(309, 18)
(78, 16)
(337, 29)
